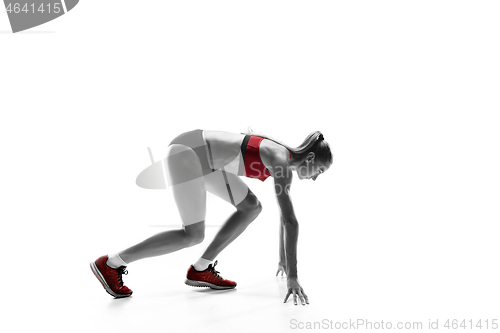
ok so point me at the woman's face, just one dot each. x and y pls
(311, 168)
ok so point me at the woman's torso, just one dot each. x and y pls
(225, 149)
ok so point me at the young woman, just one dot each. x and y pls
(199, 161)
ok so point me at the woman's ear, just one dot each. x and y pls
(310, 157)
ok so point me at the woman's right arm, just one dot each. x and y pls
(282, 262)
(282, 185)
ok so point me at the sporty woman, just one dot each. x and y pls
(199, 161)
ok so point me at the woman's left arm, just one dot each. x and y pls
(282, 184)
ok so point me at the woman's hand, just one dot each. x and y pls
(295, 289)
(281, 268)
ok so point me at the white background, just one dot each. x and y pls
(403, 227)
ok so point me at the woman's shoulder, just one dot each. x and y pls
(274, 154)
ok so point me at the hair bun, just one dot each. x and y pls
(320, 137)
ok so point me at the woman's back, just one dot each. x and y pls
(224, 149)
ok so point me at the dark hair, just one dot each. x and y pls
(314, 142)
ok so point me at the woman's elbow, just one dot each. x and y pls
(290, 220)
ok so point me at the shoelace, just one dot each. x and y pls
(120, 271)
(211, 268)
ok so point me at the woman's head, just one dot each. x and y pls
(312, 157)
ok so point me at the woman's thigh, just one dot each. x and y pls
(216, 184)
(185, 177)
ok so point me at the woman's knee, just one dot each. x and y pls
(195, 233)
(250, 204)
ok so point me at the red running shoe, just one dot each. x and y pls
(110, 278)
(208, 278)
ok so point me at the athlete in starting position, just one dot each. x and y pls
(199, 161)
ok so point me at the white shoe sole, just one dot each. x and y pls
(193, 283)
